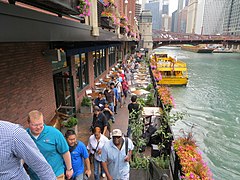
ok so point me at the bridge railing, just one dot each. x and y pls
(163, 35)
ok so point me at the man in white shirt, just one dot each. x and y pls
(95, 145)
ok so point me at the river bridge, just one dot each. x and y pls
(163, 38)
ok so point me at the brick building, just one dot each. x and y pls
(49, 58)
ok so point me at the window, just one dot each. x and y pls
(112, 57)
(81, 65)
(99, 59)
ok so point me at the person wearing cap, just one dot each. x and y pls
(115, 156)
(100, 120)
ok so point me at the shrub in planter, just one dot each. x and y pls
(86, 105)
(70, 123)
(159, 167)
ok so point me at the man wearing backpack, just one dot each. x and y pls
(116, 155)
(78, 153)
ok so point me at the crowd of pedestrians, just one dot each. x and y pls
(43, 152)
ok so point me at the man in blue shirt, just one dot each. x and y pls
(16, 144)
(115, 161)
(100, 101)
(51, 144)
(78, 152)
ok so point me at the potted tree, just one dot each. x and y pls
(86, 105)
(139, 163)
(70, 123)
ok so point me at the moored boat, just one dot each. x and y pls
(222, 50)
(197, 49)
(169, 71)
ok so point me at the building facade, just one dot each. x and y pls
(213, 17)
(138, 8)
(145, 28)
(231, 25)
(174, 21)
(155, 7)
(50, 60)
(192, 16)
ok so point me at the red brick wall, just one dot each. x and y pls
(26, 82)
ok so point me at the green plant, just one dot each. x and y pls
(149, 87)
(141, 101)
(150, 100)
(86, 101)
(136, 124)
(139, 161)
(70, 122)
(161, 162)
(164, 132)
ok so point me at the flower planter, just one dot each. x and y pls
(107, 22)
(139, 174)
(64, 129)
(86, 109)
(158, 173)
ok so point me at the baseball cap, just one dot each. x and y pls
(96, 108)
(116, 132)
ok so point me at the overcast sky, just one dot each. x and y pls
(172, 5)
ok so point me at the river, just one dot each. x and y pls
(212, 102)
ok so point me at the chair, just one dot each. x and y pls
(88, 92)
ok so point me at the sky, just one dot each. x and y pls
(172, 5)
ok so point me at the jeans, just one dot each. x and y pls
(96, 164)
(129, 131)
(79, 177)
(111, 106)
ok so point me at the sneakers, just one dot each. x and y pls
(103, 175)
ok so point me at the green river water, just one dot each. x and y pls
(212, 102)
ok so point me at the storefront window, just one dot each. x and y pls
(112, 56)
(81, 66)
(99, 58)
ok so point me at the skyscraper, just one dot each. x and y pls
(165, 8)
(155, 7)
(213, 17)
(137, 10)
(231, 25)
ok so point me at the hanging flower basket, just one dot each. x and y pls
(107, 22)
(84, 8)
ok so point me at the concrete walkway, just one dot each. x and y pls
(85, 121)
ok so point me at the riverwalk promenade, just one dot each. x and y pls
(85, 121)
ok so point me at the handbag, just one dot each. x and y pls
(91, 156)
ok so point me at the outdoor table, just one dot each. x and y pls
(93, 95)
(101, 86)
(140, 92)
(151, 111)
(107, 79)
(141, 81)
(148, 112)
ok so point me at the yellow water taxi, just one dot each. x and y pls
(168, 70)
